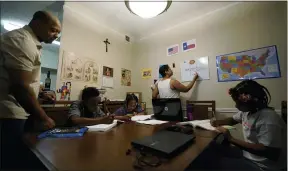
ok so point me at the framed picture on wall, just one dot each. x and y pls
(138, 95)
(107, 71)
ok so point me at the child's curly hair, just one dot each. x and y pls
(252, 88)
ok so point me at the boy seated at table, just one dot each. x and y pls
(86, 111)
(130, 108)
(264, 146)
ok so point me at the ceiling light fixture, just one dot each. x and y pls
(9, 26)
(146, 8)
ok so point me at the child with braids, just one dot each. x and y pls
(264, 146)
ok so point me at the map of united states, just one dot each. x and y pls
(244, 64)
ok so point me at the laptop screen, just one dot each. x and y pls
(167, 109)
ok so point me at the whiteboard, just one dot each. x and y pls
(198, 65)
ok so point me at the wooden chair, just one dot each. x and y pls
(58, 114)
(202, 109)
(112, 106)
(63, 102)
(284, 111)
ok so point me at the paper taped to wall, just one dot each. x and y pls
(190, 67)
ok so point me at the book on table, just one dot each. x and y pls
(204, 124)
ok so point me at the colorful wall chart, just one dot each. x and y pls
(258, 63)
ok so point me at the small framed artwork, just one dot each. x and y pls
(138, 95)
(143, 106)
(107, 71)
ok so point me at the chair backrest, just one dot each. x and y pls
(58, 114)
(202, 109)
(284, 111)
(112, 106)
(63, 102)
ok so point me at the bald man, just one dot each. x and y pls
(19, 82)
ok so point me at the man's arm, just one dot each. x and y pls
(175, 84)
(155, 92)
(227, 121)
(19, 62)
(24, 94)
(237, 118)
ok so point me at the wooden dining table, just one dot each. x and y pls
(107, 150)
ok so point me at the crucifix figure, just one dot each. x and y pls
(106, 42)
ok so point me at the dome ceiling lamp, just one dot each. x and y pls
(147, 9)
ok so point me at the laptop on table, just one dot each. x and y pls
(167, 109)
(165, 144)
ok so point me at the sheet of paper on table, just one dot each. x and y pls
(102, 127)
(152, 122)
(141, 117)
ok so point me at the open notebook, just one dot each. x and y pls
(205, 124)
(102, 127)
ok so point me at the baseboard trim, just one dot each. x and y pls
(228, 110)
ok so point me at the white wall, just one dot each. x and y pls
(244, 26)
(240, 27)
(49, 58)
(83, 36)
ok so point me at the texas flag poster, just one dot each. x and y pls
(189, 45)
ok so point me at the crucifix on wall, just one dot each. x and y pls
(106, 42)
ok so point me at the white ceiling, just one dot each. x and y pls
(21, 12)
(115, 15)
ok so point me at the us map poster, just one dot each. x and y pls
(251, 64)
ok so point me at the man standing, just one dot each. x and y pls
(19, 83)
(170, 88)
